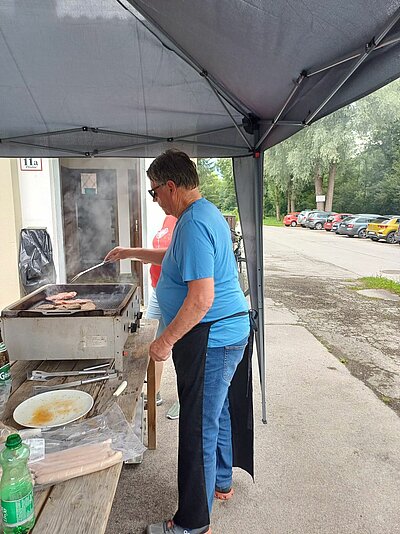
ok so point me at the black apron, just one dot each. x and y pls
(189, 356)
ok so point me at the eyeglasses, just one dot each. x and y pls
(152, 192)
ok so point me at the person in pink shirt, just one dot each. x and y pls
(162, 239)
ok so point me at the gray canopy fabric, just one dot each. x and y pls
(132, 77)
(216, 78)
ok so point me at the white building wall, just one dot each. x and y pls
(9, 233)
(41, 206)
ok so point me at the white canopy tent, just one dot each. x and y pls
(225, 78)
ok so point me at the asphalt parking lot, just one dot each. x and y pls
(313, 274)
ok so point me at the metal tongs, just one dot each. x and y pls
(67, 385)
(88, 270)
(43, 376)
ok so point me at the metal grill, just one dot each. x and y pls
(109, 299)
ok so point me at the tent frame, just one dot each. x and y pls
(257, 130)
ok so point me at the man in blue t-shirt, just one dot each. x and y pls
(207, 330)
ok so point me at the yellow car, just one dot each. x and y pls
(386, 230)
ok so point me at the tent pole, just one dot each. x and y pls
(249, 184)
(353, 55)
(169, 140)
(258, 207)
(370, 47)
(230, 115)
(42, 134)
(298, 82)
(167, 41)
(67, 150)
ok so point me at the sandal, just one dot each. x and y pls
(169, 527)
(223, 495)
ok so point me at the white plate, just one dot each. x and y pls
(53, 408)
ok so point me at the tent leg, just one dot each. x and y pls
(259, 216)
(249, 184)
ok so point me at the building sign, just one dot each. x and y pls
(320, 198)
(30, 164)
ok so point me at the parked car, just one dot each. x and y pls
(357, 225)
(301, 219)
(335, 225)
(291, 218)
(397, 236)
(317, 219)
(335, 217)
(386, 230)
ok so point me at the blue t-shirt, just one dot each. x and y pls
(201, 247)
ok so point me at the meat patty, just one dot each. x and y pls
(62, 296)
(46, 307)
(88, 306)
(71, 301)
(69, 306)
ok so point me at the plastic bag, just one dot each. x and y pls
(5, 431)
(86, 447)
(36, 265)
(5, 390)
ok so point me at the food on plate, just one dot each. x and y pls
(62, 296)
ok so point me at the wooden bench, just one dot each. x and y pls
(83, 504)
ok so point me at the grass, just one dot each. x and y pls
(378, 282)
(272, 221)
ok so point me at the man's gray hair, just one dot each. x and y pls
(176, 166)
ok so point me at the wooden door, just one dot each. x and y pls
(135, 212)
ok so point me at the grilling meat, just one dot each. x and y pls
(67, 301)
(62, 296)
(46, 307)
(88, 306)
(74, 301)
(69, 306)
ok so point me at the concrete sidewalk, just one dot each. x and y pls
(328, 461)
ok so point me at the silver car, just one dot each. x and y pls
(357, 225)
(302, 216)
(317, 219)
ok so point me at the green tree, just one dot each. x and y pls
(317, 152)
(351, 152)
(211, 185)
(225, 169)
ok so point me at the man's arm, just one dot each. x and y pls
(145, 255)
(198, 301)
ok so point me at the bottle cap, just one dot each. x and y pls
(13, 441)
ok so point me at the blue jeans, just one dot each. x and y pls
(221, 364)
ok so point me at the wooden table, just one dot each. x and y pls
(82, 505)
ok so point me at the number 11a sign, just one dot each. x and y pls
(30, 164)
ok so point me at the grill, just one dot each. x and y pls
(110, 299)
(32, 334)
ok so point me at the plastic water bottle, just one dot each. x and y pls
(16, 488)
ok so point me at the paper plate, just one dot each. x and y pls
(53, 408)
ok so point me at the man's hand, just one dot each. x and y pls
(117, 253)
(160, 350)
